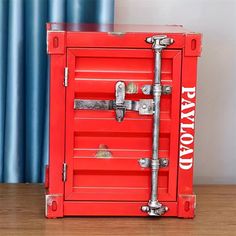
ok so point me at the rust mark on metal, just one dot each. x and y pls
(131, 88)
(103, 152)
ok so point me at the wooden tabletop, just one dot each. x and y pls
(22, 213)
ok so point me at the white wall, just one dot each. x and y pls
(215, 156)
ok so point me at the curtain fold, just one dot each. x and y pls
(105, 12)
(3, 73)
(24, 80)
(81, 11)
(14, 135)
(36, 78)
(57, 11)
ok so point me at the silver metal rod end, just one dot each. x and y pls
(154, 208)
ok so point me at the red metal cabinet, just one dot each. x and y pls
(95, 161)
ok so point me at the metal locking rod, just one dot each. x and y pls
(120, 105)
(154, 207)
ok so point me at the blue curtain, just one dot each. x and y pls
(24, 83)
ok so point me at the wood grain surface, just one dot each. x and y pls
(22, 213)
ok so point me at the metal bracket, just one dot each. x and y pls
(148, 89)
(159, 41)
(154, 208)
(147, 162)
(145, 107)
(166, 89)
(53, 203)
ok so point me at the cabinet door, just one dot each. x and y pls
(102, 154)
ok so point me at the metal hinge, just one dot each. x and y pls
(66, 71)
(64, 172)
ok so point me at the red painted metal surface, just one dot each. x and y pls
(118, 185)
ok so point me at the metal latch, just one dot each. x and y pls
(120, 105)
(143, 106)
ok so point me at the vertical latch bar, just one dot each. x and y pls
(154, 207)
(66, 71)
(64, 172)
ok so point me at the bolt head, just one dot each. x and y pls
(145, 208)
(142, 161)
(144, 88)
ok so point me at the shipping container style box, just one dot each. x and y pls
(122, 113)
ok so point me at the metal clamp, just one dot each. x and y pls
(148, 89)
(147, 162)
(159, 41)
(154, 208)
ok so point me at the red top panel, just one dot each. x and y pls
(122, 28)
(62, 35)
